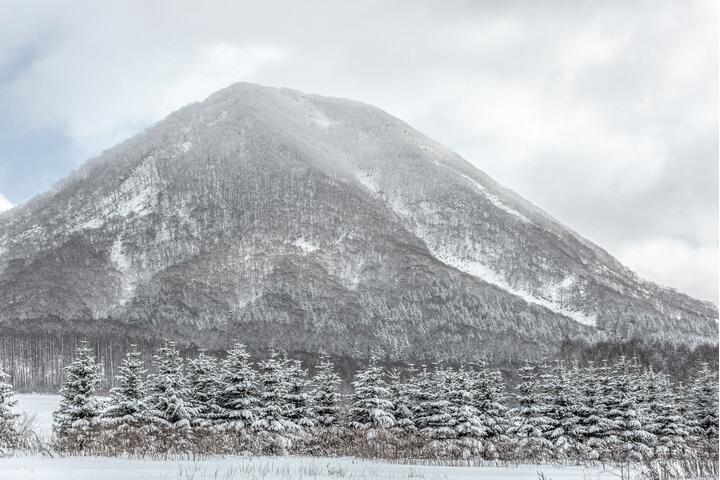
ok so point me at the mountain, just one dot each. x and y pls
(311, 224)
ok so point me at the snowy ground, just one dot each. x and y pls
(266, 468)
(41, 406)
(249, 468)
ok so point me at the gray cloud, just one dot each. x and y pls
(603, 113)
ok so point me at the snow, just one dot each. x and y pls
(494, 199)
(305, 246)
(42, 407)
(366, 181)
(486, 274)
(269, 468)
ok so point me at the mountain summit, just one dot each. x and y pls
(314, 224)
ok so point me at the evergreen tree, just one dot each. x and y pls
(703, 404)
(127, 399)
(594, 422)
(204, 389)
(8, 432)
(297, 399)
(562, 398)
(530, 420)
(432, 415)
(238, 396)
(666, 424)
(79, 409)
(168, 401)
(629, 439)
(464, 416)
(274, 389)
(489, 398)
(402, 392)
(325, 396)
(371, 405)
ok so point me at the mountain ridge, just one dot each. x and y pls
(276, 214)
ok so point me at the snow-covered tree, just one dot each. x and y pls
(666, 423)
(168, 404)
(297, 398)
(79, 409)
(8, 432)
(464, 416)
(703, 403)
(402, 393)
(127, 399)
(489, 398)
(562, 399)
(237, 390)
(629, 439)
(530, 419)
(433, 417)
(325, 396)
(203, 380)
(274, 388)
(371, 404)
(594, 424)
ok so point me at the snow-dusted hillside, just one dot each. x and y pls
(314, 224)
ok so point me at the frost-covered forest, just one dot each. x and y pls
(609, 412)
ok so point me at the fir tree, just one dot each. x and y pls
(530, 420)
(273, 391)
(203, 389)
(703, 404)
(168, 405)
(8, 431)
(127, 399)
(297, 399)
(325, 396)
(371, 405)
(489, 398)
(666, 423)
(79, 408)
(237, 396)
(562, 398)
(464, 416)
(402, 392)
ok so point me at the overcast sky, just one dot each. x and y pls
(604, 113)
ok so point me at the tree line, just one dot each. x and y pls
(609, 411)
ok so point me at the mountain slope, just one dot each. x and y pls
(315, 224)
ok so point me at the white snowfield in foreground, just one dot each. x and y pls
(267, 468)
(249, 468)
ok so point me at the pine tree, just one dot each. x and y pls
(562, 401)
(203, 389)
(402, 392)
(273, 391)
(297, 398)
(489, 398)
(325, 397)
(127, 399)
(666, 423)
(238, 396)
(168, 405)
(79, 408)
(703, 404)
(371, 405)
(530, 420)
(8, 431)
(464, 416)
(594, 423)
(629, 438)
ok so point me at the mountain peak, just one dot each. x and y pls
(315, 224)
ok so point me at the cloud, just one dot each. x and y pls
(5, 204)
(603, 113)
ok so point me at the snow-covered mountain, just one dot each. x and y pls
(314, 224)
